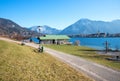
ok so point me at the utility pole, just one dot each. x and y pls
(106, 46)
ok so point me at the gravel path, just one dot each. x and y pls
(94, 70)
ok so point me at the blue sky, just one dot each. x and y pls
(58, 13)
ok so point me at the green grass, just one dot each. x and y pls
(87, 53)
(23, 63)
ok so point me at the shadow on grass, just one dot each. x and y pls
(92, 56)
(35, 50)
(95, 50)
(89, 50)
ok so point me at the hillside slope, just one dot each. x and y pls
(23, 63)
(11, 29)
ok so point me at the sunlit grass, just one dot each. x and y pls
(23, 63)
(86, 53)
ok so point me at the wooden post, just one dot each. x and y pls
(106, 46)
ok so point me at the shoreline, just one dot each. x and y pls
(111, 53)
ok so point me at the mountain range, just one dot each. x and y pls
(45, 29)
(86, 26)
(83, 26)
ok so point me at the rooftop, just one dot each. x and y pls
(51, 37)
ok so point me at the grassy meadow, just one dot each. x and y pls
(23, 63)
(87, 53)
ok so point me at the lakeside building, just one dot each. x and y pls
(54, 39)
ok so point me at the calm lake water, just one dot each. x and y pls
(98, 43)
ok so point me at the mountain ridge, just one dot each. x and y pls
(9, 28)
(82, 26)
(87, 26)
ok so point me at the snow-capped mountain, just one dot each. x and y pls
(86, 26)
(45, 29)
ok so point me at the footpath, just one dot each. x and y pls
(93, 70)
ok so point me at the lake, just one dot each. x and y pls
(98, 43)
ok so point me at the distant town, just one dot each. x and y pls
(96, 35)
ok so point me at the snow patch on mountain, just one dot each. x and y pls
(45, 29)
